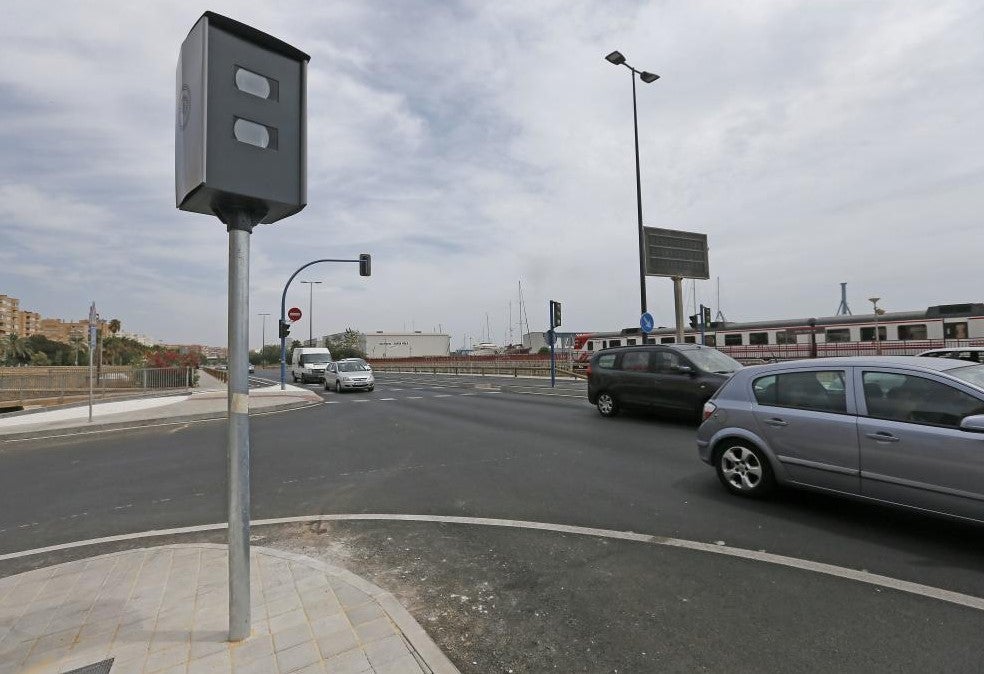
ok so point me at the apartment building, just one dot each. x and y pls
(9, 311)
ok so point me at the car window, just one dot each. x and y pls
(972, 374)
(606, 361)
(666, 362)
(823, 391)
(712, 360)
(902, 397)
(635, 361)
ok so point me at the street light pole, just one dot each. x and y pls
(874, 305)
(616, 58)
(311, 285)
(264, 332)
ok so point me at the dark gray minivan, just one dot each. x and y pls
(671, 377)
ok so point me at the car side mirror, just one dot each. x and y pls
(684, 369)
(974, 423)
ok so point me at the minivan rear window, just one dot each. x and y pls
(309, 358)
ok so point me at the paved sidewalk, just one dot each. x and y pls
(209, 403)
(164, 610)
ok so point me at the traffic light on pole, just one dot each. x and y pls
(284, 329)
(554, 313)
(693, 321)
(365, 264)
(707, 315)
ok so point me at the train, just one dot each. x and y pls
(898, 333)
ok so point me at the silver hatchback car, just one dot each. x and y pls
(905, 431)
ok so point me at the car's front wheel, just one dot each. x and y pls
(606, 404)
(325, 382)
(338, 386)
(744, 470)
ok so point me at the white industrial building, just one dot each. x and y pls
(403, 344)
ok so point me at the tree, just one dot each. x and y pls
(348, 345)
(265, 356)
(58, 353)
(114, 326)
(544, 351)
(78, 343)
(16, 349)
(40, 358)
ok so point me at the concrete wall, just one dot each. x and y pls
(406, 344)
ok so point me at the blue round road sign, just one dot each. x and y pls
(646, 322)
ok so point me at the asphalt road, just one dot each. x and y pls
(502, 448)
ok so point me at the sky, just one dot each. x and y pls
(473, 146)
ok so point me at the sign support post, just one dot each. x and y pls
(93, 320)
(678, 307)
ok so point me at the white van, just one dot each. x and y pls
(307, 363)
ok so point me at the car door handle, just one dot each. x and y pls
(775, 421)
(882, 437)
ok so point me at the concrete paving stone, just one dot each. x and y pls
(285, 620)
(262, 665)
(365, 613)
(65, 638)
(127, 666)
(338, 642)
(297, 657)
(167, 657)
(292, 636)
(386, 650)
(375, 629)
(283, 604)
(204, 644)
(316, 668)
(40, 659)
(256, 647)
(216, 663)
(349, 597)
(17, 653)
(130, 651)
(405, 665)
(330, 625)
(350, 662)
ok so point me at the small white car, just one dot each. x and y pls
(349, 374)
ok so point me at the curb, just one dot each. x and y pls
(144, 423)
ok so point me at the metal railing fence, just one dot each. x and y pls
(25, 384)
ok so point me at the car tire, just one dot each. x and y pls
(372, 387)
(338, 386)
(607, 405)
(743, 469)
(325, 382)
(293, 375)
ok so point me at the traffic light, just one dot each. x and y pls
(554, 313)
(365, 264)
(284, 329)
(693, 321)
(707, 315)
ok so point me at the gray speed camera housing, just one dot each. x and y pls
(241, 125)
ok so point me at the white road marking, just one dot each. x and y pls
(415, 397)
(877, 580)
(362, 401)
(381, 399)
(442, 395)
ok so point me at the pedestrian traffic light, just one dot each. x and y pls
(693, 321)
(554, 313)
(365, 264)
(284, 329)
(707, 315)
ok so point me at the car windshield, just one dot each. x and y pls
(972, 374)
(312, 358)
(352, 367)
(712, 360)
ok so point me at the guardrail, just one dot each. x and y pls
(482, 369)
(53, 385)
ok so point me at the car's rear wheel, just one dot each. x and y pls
(606, 404)
(743, 469)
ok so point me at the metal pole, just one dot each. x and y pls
(311, 314)
(642, 234)
(678, 306)
(553, 340)
(237, 439)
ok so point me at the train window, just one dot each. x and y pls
(757, 338)
(667, 340)
(955, 331)
(590, 346)
(868, 334)
(732, 340)
(839, 334)
(690, 339)
(630, 342)
(614, 342)
(917, 331)
(783, 337)
(710, 340)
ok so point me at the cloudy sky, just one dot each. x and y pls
(472, 145)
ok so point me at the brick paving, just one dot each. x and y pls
(164, 609)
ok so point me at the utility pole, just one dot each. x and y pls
(311, 285)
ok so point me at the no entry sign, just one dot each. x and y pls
(294, 314)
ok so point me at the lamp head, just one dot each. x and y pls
(648, 77)
(615, 58)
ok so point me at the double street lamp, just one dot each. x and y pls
(616, 58)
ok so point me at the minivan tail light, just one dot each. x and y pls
(709, 409)
(589, 369)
